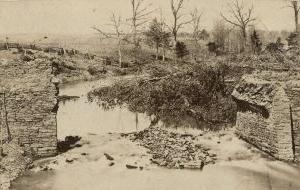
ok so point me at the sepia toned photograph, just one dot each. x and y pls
(149, 95)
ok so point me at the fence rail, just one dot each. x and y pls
(6, 46)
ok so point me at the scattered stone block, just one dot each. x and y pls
(108, 157)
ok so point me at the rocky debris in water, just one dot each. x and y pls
(70, 142)
(129, 166)
(172, 150)
(45, 168)
(111, 164)
(69, 160)
(108, 157)
(64, 98)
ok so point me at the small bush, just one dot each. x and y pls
(96, 70)
(181, 50)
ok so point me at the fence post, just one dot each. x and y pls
(5, 118)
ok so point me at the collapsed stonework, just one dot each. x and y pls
(28, 103)
(268, 113)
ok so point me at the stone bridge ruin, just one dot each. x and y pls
(28, 103)
(268, 113)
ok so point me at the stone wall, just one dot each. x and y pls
(29, 102)
(264, 116)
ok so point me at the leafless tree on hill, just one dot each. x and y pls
(220, 34)
(166, 41)
(140, 16)
(119, 35)
(296, 8)
(240, 17)
(196, 16)
(178, 19)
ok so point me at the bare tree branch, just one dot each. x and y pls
(140, 13)
(229, 21)
(296, 8)
(119, 35)
(240, 17)
(196, 16)
(101, 32)
(177, 16)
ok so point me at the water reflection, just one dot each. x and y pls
(81, 117)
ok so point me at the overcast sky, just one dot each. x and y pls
(77, 16)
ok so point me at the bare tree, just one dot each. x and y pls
(165, 37)
(220, 33)
(178, 21)
(240, 17)
(119, 35)
(296, 8)
(140, 13)
(196, 16)
(6, 43)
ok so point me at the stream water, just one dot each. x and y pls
(83, 118)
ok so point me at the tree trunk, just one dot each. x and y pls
(175, 40)
(164, 54)
(7, 46)
(5, 118)
(156, 56)
(244, 42)
(136, 121)
(175, 56)
(136, 44)
(120, 53)
(296, 22)
(296, 12)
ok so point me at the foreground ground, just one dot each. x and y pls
(128, 166)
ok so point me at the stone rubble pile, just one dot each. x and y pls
(172, 150)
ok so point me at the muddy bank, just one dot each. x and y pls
(13, 163)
